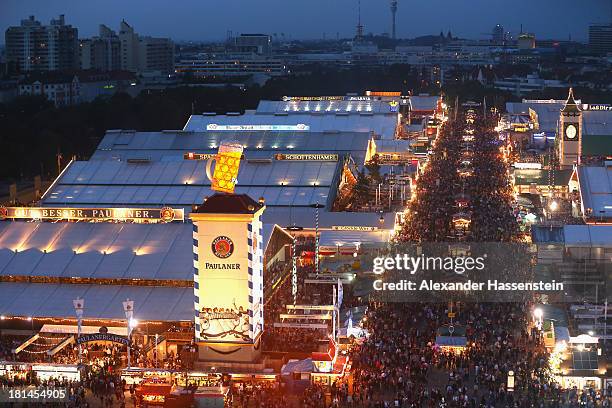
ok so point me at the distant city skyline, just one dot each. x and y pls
(209, 20)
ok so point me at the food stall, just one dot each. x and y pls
(153, 392)
(14, 370)
(136, 375)
(45, 372)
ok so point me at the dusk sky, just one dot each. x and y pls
(299, 19)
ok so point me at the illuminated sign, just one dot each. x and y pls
(198, 156)
(225, 176)
(165, 214)
(300, 127)
(353, 228)
(393, 106)
(599, 107)
(312, 98)
(306, 157)
(358, 98)
(526, 166)
(102, 337)
(383, 93)
(322, 366)
(301, 325)
(310, 307)
(306, 316)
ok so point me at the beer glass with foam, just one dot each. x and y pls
(227, 163)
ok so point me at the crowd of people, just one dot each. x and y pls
(400, 364)
(296, 339)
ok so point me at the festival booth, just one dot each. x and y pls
(584, 369)
(580, 363)
(211, 397)
(554, 325)
(137, 375)
(345, 244)
(350, 327)
(15, 370)
(321, 368)
(296, 374)
(44, 372)
(151, 393)
(451, 339)
(41, 371)
(328, 366)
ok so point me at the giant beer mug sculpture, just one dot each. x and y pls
(227, 160)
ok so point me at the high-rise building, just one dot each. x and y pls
(36, 47)
(600, 38)
(144, 54)
(498, 34)
(102, 53)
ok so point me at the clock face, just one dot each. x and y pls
(571, 131)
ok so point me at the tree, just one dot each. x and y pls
(362, 189)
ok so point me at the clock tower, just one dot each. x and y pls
(570, 137)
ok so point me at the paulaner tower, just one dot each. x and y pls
(228, 278)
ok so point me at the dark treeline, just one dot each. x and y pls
(33, 131)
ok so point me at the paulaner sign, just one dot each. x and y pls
(165, 214)
(307, 157)
(102, 337)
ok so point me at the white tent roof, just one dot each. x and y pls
(184, 183)
(424, 102)
(548, 113)
(586, 236)
(596, 189)
(382, 125)
(101, 301)
(172, 144)
(144, 251)
(597, 123)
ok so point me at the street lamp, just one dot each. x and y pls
(381, 222)
(128, 308)
(316, 206)
(79, 304)
(156, 340)
(553, 206)
(538, 313)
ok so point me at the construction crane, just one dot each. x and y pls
(393, 12)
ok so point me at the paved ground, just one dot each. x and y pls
(97, 403)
